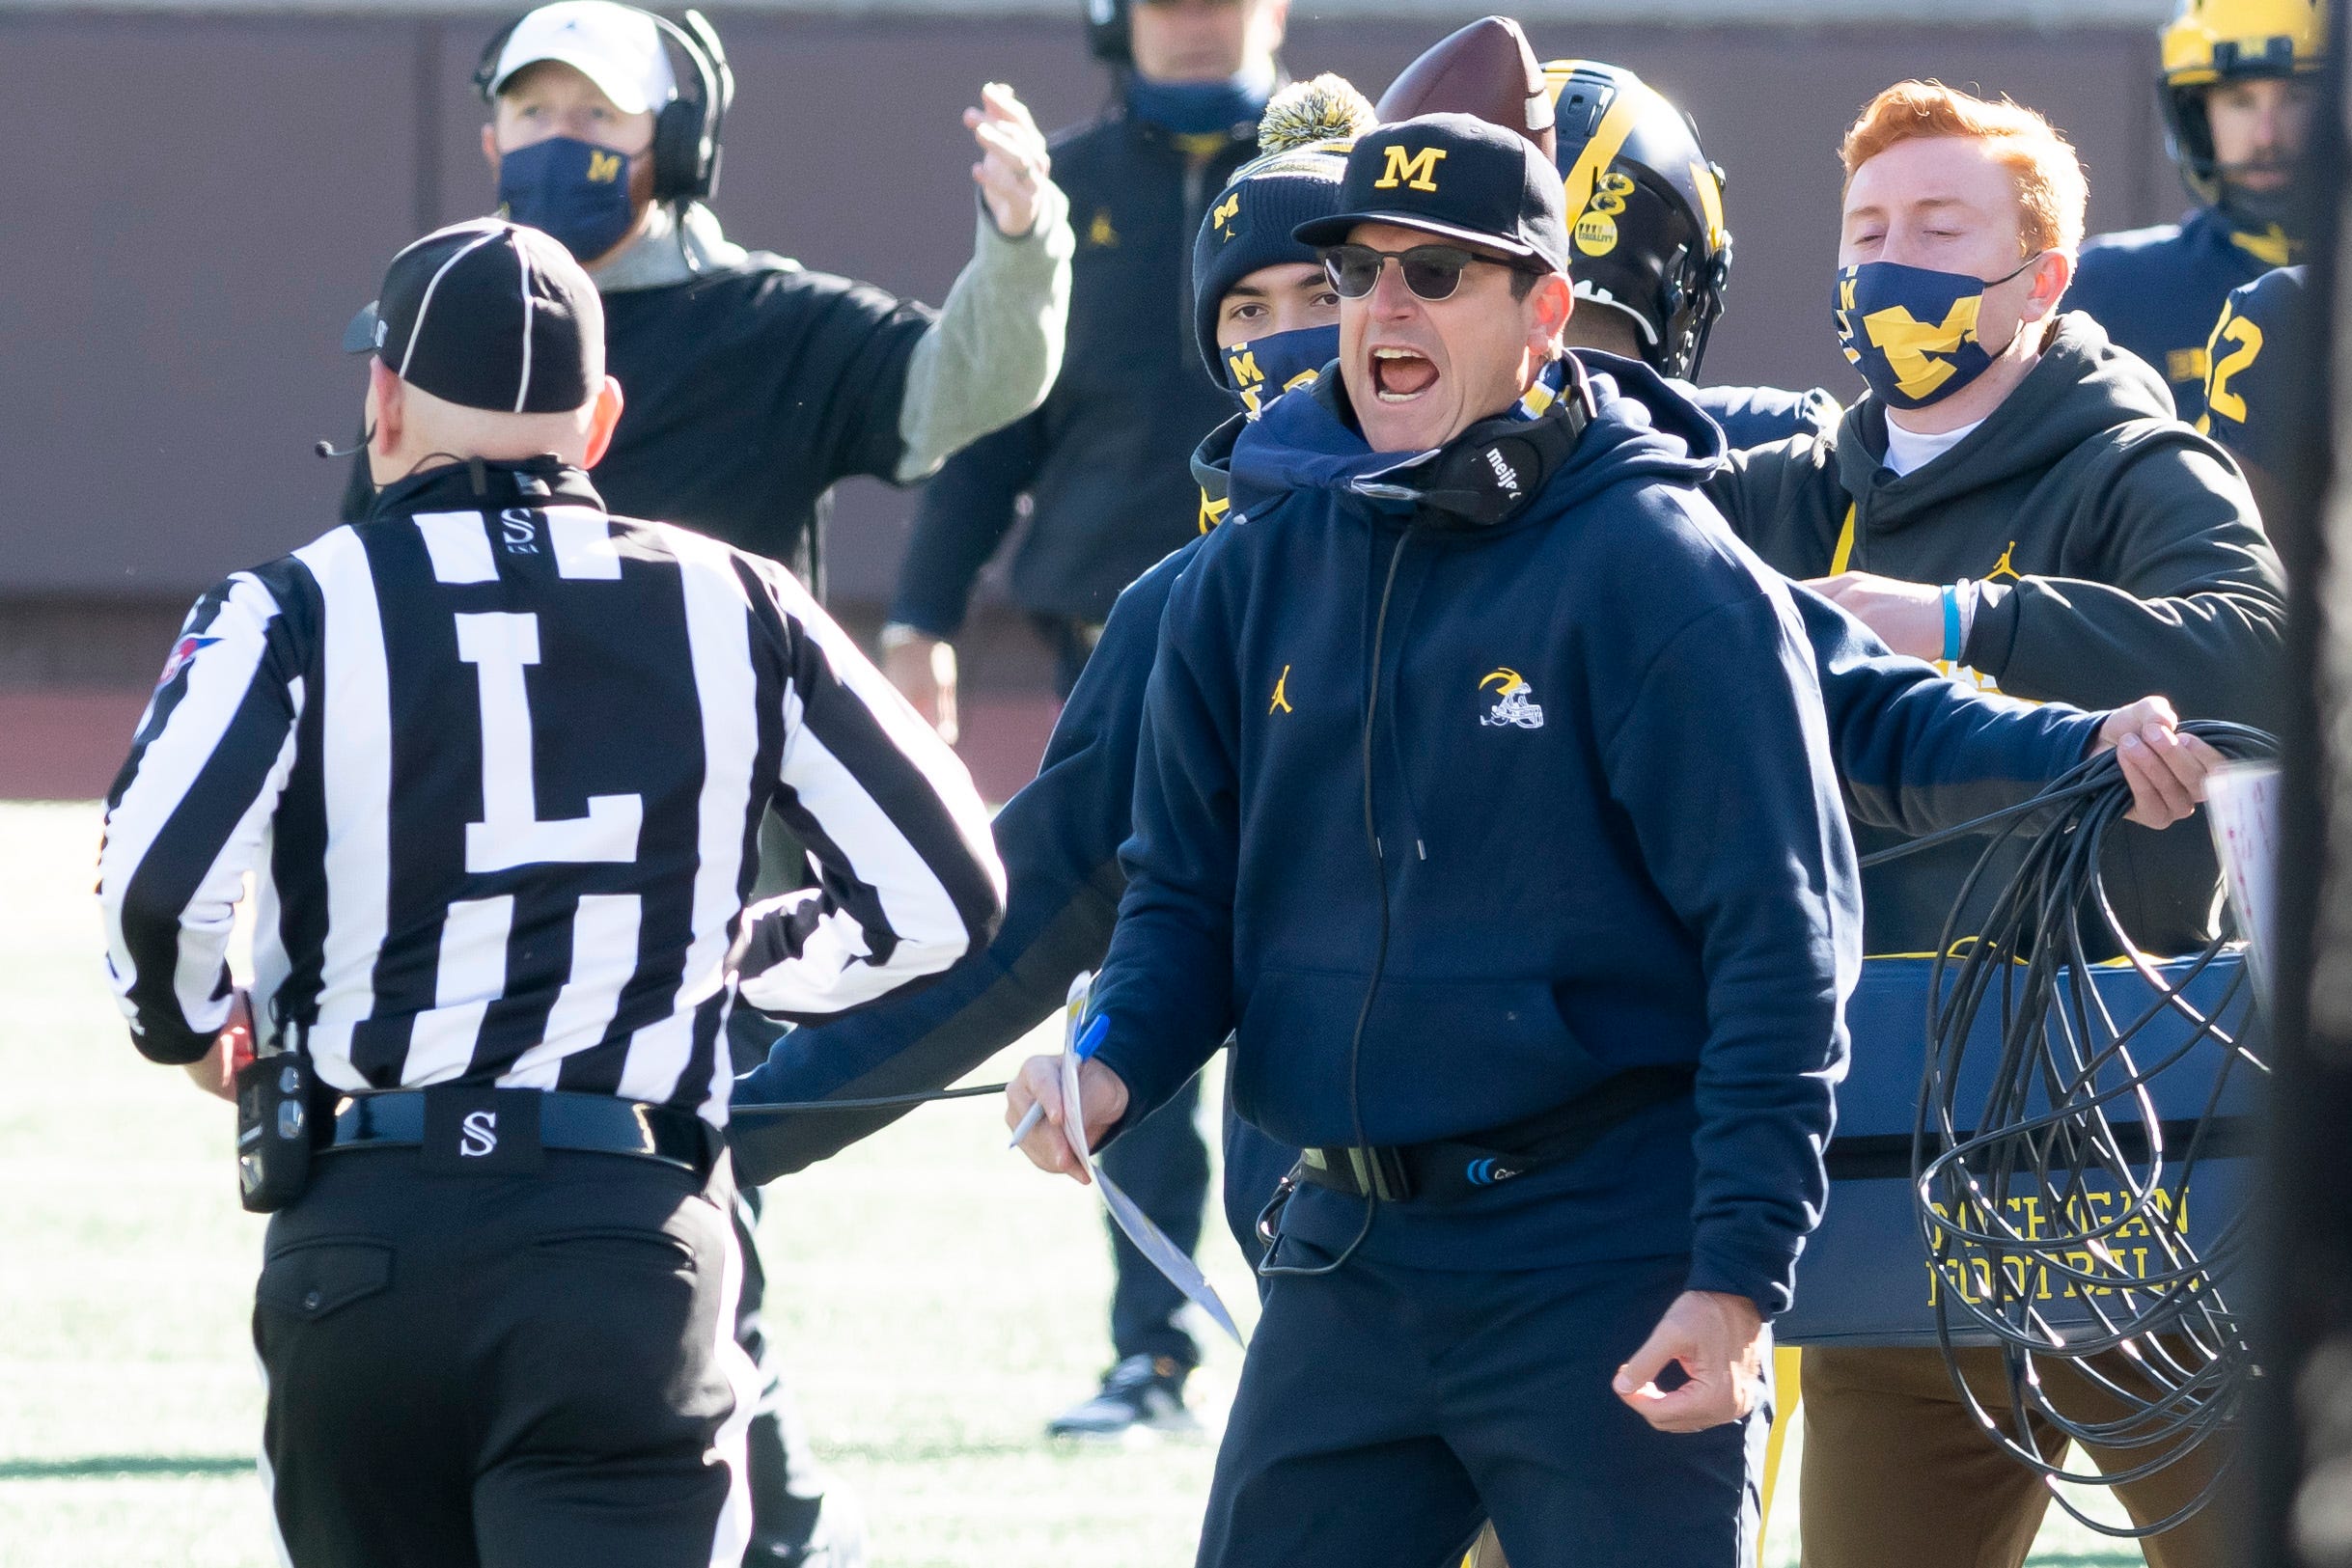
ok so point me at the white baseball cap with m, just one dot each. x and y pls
(618, 47)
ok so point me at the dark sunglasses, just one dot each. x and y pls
(1432, 271)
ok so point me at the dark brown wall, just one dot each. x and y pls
(199, 203)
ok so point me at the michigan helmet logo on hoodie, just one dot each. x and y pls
(1513, 701)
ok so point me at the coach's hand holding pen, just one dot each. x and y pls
(1088, 1044)
(1033, 1108)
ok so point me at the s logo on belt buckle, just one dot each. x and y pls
(473, 1130)
(478, 1134)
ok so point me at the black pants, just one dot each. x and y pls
(1384, 1413)
(513, 1372)
(1162, 1164)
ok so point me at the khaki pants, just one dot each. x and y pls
(1898, 1475)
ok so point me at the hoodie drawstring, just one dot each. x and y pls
(1404, 779)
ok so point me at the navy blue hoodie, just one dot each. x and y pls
(1610, 831)
(1915, 752)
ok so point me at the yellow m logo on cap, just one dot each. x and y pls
(1418, 169)
(1223, 212)
(1909, 344)
(604, 168)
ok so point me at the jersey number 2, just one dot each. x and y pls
(2218, 395)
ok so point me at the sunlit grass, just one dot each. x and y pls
(938, 1300)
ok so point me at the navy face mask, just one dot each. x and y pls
(574, 190)
(1912, 331)
(1267, 367)
(1198, 108)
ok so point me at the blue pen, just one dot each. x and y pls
(1088, 1044)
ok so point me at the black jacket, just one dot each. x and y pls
(750, 391)
(1104, 460)
(2121, 555)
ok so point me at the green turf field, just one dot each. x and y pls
(940, 1300)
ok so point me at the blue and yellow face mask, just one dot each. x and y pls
(1912, 331)
(1270, 365)
(572, 189)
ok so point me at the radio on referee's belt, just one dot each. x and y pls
(274, 1097)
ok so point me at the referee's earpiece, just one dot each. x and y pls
(327, 449)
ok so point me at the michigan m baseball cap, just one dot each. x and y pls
(489, 315)
(618, 47)
(1457, 177)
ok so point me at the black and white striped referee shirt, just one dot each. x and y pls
(497, 762)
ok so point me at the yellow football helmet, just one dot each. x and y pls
(2222, 40)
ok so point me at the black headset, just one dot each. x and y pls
(686, 129)
(1484, 476)
(1106, 31)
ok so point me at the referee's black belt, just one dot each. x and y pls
(519, 1124)
(1448, 1169)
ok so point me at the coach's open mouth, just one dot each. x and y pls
(1400, 374)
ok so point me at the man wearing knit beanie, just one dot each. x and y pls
(1264, 313)
(1261, 292)
(1264, 293)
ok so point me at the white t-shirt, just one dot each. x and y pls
(1907, 450)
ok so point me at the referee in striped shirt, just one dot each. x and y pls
(496, 761)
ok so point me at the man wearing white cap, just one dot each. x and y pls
(754, 383)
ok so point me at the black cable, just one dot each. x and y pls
(1267, 1268)
(2069, 1133)
(879, 1102)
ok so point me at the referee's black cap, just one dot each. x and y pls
(490, 314)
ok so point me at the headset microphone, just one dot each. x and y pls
(327, 449)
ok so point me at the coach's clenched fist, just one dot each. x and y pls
(1038, 1083)
(1722, 1346)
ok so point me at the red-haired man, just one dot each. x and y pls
(2014, 495)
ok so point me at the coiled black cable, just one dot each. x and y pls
(2067, 1135)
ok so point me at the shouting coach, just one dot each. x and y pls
(1437, 806)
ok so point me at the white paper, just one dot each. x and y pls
(2242, 801)
(1150, 1239)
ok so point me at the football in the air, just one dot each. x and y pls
(1488, 69)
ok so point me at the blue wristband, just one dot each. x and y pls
(1951, 624)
